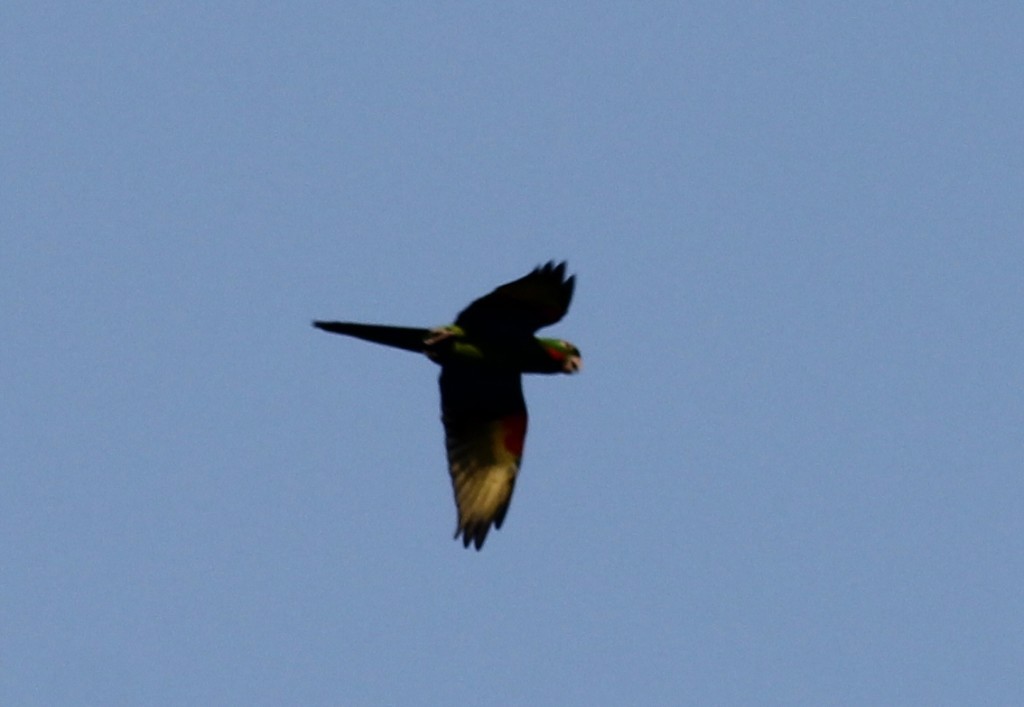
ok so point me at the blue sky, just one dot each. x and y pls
(789, 473)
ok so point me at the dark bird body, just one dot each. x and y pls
(482, 356)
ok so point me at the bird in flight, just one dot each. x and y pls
(482, 357)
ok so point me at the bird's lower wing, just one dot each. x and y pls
(484, 419)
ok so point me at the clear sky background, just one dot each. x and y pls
(791, 471)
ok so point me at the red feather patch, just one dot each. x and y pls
(554, 353)
(514, 427)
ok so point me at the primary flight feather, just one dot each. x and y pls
(482, 357)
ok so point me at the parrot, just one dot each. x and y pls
(482, 356)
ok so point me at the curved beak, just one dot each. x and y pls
(572, 364)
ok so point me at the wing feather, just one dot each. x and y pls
(522, 306)
(484, 418)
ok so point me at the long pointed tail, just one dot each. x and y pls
(407, 338)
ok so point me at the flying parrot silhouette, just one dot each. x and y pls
(482, 357)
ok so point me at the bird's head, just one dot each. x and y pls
(565, 355)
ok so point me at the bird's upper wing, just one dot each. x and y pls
(522, 306)
(484, 417)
